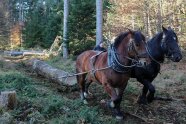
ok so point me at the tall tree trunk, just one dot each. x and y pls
(149, 24)
(159, 16)
(132, 21)
(146, 17)
(65, 29)
(99, 21)
(21, 21)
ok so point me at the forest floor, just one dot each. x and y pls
(42, 102)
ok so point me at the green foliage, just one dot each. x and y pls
(64, 64)
(43, 24)
(77, 47)
(54, 106)
(13, 80)
(82, 25)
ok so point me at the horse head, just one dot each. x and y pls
(170, 45)
(137, 47)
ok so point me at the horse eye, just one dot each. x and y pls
(137, 44)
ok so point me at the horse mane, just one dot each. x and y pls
(138, 36)
(157, 37)
(120, 38)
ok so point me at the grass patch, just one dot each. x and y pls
(66, 65)
(36, 104)
(13, 80)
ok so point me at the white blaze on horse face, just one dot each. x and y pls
(131, 40)
(163, 35)
(130, 44)
(174, 38)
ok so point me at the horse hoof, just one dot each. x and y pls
(119, 117)
(142, 100)
(150, 98)
(85, 102)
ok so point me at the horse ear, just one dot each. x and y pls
(169, 28)
(164, 29)
(130, 31)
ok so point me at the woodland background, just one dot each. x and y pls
(36, 26)
(36, 23)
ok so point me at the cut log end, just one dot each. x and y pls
(8, 99)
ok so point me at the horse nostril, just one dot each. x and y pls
(178, 58)
(145, 63)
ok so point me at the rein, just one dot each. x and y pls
(148, 51)
(93, 70)
(162, 47)
(76, 74)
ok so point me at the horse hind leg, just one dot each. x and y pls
(81, 82)
(87, 93)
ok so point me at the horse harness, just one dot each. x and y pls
(92, 61)
(113, 61)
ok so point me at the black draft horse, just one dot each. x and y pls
(164, 44)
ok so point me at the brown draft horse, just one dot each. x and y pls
(112, 68)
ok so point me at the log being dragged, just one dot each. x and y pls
(59, 76)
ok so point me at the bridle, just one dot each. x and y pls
(134, 60)
(164, 48)
(148, 51)
(137, 56)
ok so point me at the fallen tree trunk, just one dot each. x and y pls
(24, 53)
(56, 75)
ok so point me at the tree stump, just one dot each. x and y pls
(8, 99)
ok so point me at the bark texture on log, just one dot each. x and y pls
(54, 74)
(8, 99)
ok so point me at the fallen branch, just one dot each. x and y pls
(136, 116)
(166, 99)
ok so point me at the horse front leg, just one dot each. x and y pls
(144, 98)
(115, 101)
(150, 96)
(118, 113)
